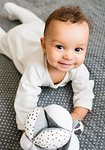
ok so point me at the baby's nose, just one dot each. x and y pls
(68, 55)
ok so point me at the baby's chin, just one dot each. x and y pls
(66, 70)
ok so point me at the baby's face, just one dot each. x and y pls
(65, 45)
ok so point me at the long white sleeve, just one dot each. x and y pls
(27, 95)
(82, 88)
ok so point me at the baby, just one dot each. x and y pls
(52, 59)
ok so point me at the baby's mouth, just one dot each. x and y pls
(66, 64)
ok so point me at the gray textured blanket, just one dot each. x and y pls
(93, 137)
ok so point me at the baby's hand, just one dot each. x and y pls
(23, 131)
(79, 113)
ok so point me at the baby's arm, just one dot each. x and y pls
(27, 96)
(83, 92)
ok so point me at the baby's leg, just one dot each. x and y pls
(2, 33)
(16, 12)
(4, 47)
(16, 42)
(19, 42)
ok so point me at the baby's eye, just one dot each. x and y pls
(60, 47)
(78, 49)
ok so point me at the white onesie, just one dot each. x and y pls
(22, 45)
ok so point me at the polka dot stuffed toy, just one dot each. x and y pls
(51, 128)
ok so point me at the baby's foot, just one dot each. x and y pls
(24, 15)
(12, 10)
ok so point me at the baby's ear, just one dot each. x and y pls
(43, 45)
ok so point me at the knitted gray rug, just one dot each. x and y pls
(93, 137)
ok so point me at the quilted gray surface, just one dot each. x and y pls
(93, 137)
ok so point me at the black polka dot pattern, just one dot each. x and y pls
(51, 138)
(47, 137)
(30, 122)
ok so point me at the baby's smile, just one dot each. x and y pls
(66, 64)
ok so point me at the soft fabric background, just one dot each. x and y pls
(93, 137)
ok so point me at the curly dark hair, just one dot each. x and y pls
(67, 13)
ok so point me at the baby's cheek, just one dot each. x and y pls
(81, 59)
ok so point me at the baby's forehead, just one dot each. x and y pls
(67, 33)
(56, 25)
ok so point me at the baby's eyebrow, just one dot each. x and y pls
(56, 41)
(82, 45)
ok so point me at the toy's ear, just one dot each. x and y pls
(43, 45)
